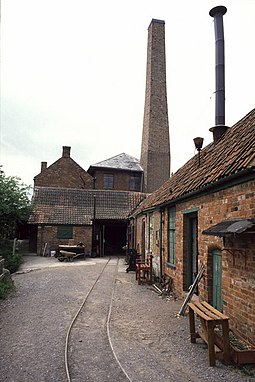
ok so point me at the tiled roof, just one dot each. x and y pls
(120, 162)
(76, 206)
(233, 154)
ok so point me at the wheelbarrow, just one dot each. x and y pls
(68, 256)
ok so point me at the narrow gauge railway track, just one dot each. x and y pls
(89, 352)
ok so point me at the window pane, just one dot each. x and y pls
(171, 236)
(151, 232)
(65, 232)
(108, 180)
(134, 183)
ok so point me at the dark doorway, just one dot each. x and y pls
(112, 238)
(191, 248)
(143, 240)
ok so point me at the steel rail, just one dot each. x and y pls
(107, 325)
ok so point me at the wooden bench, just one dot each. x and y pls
(144, 270)
(210, 318)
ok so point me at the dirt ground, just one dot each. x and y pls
(149, 339)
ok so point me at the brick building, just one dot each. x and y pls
(205, 213)
(71, 206)
(65, 173)
(121, 172)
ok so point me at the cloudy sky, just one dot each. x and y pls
(73, 74)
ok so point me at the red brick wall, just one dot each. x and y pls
(64, 173)
(239, 284)
(48, 234)
(238, 270)
(121, 179)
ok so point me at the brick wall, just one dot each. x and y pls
(121, 179)
(64, 173)
(155, 148)
(48, 234)
(238, 262)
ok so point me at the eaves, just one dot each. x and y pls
(221, 184)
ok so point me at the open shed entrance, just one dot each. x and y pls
(111, 237)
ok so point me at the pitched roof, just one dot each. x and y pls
(76, 206)
(120, 162)
(233, 154)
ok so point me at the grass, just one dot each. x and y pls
(6, 286)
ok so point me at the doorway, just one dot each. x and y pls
(191, 248)
(112, 237)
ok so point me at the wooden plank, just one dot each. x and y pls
(199, 312)
(223, 316)
(207, 311)
(67, 253)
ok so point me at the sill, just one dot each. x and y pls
(172, 266)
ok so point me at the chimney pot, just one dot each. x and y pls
(218, 131)
(66, 151)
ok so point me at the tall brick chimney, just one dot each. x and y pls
(155, 150)
(66, 151)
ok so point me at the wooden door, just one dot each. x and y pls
(217, 279)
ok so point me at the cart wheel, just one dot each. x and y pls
(61, 259)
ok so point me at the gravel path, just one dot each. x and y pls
(151, 343)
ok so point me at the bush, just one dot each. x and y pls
(13, 262)
(6, 286)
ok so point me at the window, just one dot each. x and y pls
(171, 236)
(134, 183)
(65, 232)
(151, 233)
(108, 181)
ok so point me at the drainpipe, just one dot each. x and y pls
(160, 245)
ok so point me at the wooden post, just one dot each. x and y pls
(192, 326)
(210, 331)
(226, 345)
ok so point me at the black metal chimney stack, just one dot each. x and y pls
(220, 128)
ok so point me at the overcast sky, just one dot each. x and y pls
(73, 74)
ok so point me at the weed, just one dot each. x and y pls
(6, 286)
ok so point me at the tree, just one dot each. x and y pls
(15, 205)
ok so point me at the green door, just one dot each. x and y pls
(217, 279)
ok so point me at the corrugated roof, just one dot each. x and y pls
(233, 154)
(231, 227)
(76, 206)
(121, 162)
